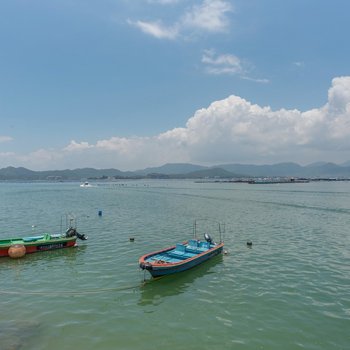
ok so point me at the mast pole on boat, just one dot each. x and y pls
(221, 231)
(61, 224)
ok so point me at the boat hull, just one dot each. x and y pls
(163, 269)
(39, 246)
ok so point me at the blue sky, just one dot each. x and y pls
(130, 84)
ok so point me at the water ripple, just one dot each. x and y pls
(289, 290)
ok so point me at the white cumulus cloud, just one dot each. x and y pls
(5, 139)
(208, 16)
(156, 29)
(222, 64)
(227, 131)
(227, 64)
(77, 146)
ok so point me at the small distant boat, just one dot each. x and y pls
(182, 256)
(18, 247)
(85, 184)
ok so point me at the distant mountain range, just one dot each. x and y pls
(184, 170)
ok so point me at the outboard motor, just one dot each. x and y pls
(71, 232)
(81, 236)
(208, 238)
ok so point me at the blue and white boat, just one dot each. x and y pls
(181, 257)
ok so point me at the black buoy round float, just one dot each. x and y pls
(249, 243)
(131, 239)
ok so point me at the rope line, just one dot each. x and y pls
(67, 292)
(82, 292)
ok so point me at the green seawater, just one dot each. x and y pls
(290, 290)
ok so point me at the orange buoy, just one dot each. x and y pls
(17, 251)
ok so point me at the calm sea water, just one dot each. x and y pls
(291, 290)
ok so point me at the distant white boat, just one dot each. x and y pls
(85, 184)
